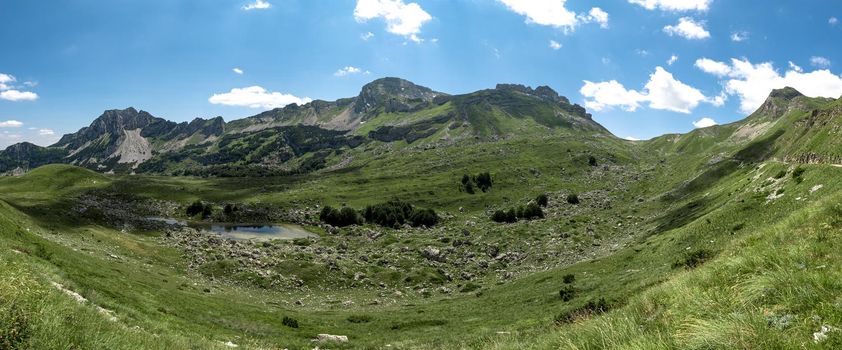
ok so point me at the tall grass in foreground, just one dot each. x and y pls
(772, 289)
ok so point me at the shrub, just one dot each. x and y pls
(693, 259)
(229, 209)
(393, 213)
(195, 208)
(798, 172)
(340, 217)
(483, 181)
(531, 211)
(780, 174)
(424, 217)
(592, 161)
(542, 200)
(567, 293)
(569, 278)
(290, 322)
(499, 216)
(207, 211)
(590, 308)
(573, 198)
(511, 216)
(359, 318)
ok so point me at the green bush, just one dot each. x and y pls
(573, 198)
(340, 217)
(424, 217)
(195, 208)
(693, 259)
(569, 278)
(504, 216)
(395, 213)
(542, 200)
(590, 308)
(290, 322)
(530, 212)
(359, 318)
(482, 181)
(567, 293)
(592, 161)
(780, 174)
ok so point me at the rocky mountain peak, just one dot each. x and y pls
(394, 94)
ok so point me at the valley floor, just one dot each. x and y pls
(645, 261)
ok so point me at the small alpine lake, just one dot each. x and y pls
(252, 232)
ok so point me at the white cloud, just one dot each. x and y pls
(604, 95)
(662, 91)
(367, 35)
(752, 83)
(713, 67)
(15, 95)
(739, 36)
(631, 138)
(237, 70)
(832, 21)
(795, 67)
(553, 13)
(10, 93)
(349, 70)
(46, 132)
(5, 79)
(11, 124)
(688, 28)
(704, 123)
(596, 15)
(819, 61)
(555, 45)
(401, 18)
(257, 5)
(256, 97)
(672, 60)
(642, 52)
(665, 92)
(674, 5)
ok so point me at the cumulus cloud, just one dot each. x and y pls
(704, 123)
(15, 95)
(739, 36)
(46, 132)
(10, 93)
(349, 70)
(555, 45)
(672, 60)
(256, 97)
(713, 67)
(688, 28)
(819, 61)
(237, 70)
(257, 5)
(10, 124)
(662, 91)
(401, 18)
(674, 5)
(752, 83)
(553, 13)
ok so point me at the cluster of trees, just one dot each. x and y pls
(482, 181)
(393, 213)
(200, 208)
(529, 212)
(346, 216)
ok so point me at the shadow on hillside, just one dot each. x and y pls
(755, 152)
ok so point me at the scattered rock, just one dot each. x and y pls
(332, 338)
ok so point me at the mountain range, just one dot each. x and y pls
(399, 113)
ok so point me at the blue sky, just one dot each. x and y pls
(64, 62)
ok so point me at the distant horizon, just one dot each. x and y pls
(642, 68)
